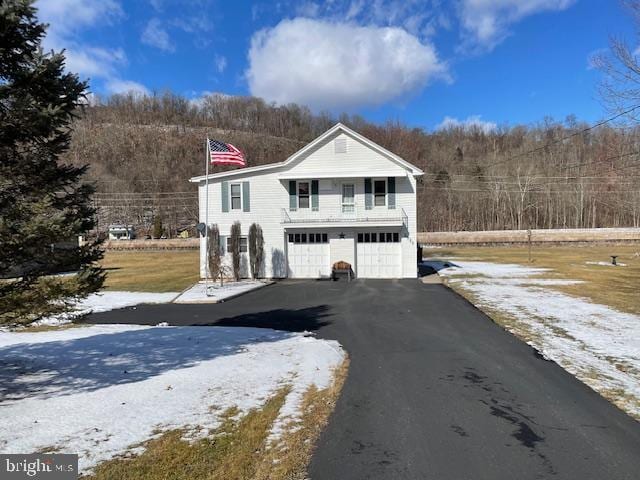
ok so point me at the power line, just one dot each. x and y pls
(566, 137)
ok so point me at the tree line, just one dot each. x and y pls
(553, 174)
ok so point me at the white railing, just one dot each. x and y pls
(359, 215)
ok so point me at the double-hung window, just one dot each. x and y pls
(236, 196)
(243, 244)
(348, 198)
(380, 193)
(303, 194)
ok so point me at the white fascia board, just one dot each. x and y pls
(239, 172)
(415, 171)
(392, 222)
(311, 175)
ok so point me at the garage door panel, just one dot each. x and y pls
(308, 260)
(378, 260)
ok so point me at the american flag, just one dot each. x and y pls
(225, 154)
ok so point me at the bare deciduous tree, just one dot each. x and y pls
(214, 257)
(235, 249)
(256, 249)
(620, 66)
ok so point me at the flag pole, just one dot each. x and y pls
(207, 273)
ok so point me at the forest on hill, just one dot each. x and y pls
(555, 174)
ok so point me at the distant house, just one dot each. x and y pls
(341, 198)
(121, 232)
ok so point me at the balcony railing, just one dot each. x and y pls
(359, 216)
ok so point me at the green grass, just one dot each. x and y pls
(613, 286)
(151, 271)
(237, 450)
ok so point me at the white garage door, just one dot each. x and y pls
(378, 260)
(308, 260)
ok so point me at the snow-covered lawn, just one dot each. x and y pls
(217, 293)
(596, 343)
(108, 300)
(100, 390)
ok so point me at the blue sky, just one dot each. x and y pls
(423, 62)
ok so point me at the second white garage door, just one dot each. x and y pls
(378, 260)
(308, 260)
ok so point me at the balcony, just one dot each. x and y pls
(358, 217)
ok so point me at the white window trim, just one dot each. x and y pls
(386, 191)
(342, 203)
(231, 197)
(227, 246)
(298, 182)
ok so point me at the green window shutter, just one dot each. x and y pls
(225, 196)
(314, 195)
(293, 196)
(368, 195)
(246, 198)
(391, 190)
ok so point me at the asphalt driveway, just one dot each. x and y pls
(435, 390)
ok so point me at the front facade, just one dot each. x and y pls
(340, 198)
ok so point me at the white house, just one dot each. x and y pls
(340, 198)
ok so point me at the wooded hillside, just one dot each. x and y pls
(143, 150)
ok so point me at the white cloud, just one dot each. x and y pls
(67, 19)
(486, 22)
(338, 65)
(116, 85)
(155, 35)
(67, 16)
(221, 63)
(470, 123)
(94, 62)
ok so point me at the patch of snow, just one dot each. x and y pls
(99, 390)
(607, 264)
(217, 293)
(105, 301)
(597, 343)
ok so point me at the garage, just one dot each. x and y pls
(378, 255)
(308, 255)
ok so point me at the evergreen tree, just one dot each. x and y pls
(43, 204)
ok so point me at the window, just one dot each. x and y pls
(310, 238)
(382, 237)
(380, 193)
(236, 196)
(303, 194)
(243, 244)
(348, 198)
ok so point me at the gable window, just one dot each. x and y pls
(236, 196)
(243, 244)
(380, 193)
(303, 194)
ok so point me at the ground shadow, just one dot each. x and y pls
(107, 359)
(305, 319)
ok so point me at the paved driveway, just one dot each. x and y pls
(435, 389)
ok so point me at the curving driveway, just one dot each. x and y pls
(435, 390)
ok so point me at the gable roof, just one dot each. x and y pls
(412, 169)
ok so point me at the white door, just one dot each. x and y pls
(308, 260)
(378, 260)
